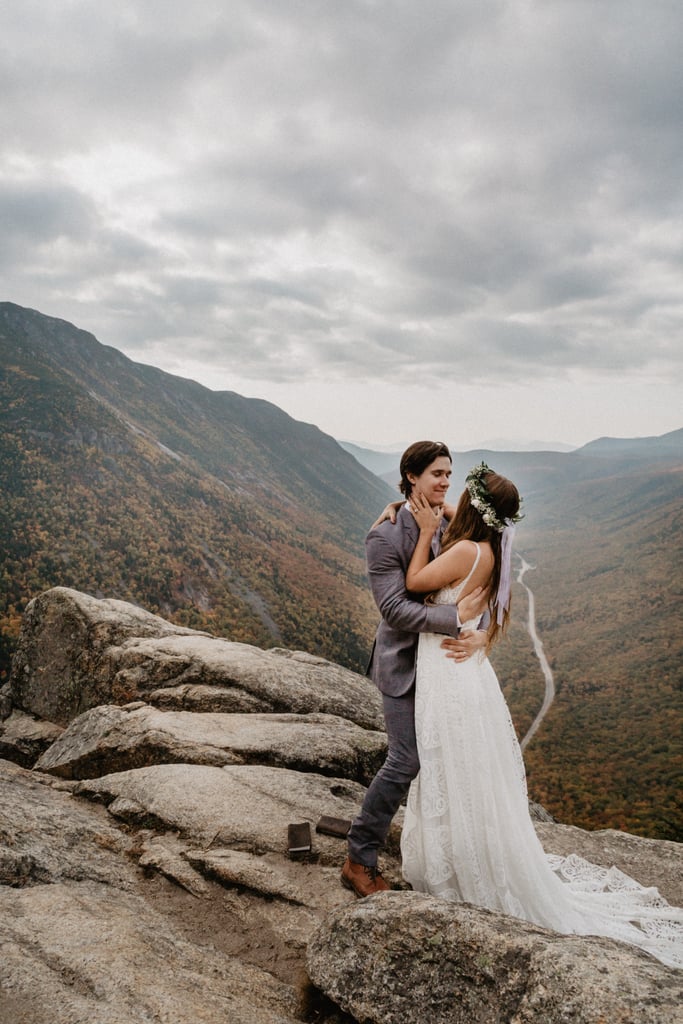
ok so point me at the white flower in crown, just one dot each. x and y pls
(480, 498)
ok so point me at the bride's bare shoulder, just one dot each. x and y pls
(468, 548)
(465, 554)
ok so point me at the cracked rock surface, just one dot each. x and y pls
(144, 871)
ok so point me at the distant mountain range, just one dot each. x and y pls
(542, 471)
(493, 444)
(223, 513)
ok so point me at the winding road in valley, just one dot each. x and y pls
(540, 654)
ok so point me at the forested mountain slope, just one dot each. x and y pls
(608, 556)
(217, 511)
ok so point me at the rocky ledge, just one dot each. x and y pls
(151, 773)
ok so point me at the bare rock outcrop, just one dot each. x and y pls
(405, 956)
(243, 807)
(111, 739)
(80, 939)
(144, 870)
(77, 652)
(46, 836)
(79, 953)
(23, 738)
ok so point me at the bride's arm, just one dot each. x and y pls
(389, 512)
(419, 561)
(424, 576)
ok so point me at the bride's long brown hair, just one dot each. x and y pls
(468, 524)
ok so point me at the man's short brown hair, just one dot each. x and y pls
(416, 458)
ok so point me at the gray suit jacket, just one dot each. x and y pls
(388, 549)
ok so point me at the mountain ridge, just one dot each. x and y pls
(219, 510)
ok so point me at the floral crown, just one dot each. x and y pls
(481, 499)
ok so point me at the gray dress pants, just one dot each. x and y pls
(391, 784)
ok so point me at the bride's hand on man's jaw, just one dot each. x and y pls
(466, 644)
(391, 510)
(426, 517)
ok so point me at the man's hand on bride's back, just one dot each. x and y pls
(473, 605)
(466, 644)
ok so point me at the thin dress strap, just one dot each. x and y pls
(474, 566)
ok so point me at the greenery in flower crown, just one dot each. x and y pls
(481, 499)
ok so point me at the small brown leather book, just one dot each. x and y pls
(299, 839)
(333, 826)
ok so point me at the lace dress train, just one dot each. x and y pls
(468, 835)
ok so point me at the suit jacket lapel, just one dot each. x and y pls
(408, 523)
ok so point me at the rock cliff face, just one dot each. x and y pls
(412, 958)
(151, 774)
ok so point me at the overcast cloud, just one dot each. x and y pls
(389, 217)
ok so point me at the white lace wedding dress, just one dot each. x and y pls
(468, 836)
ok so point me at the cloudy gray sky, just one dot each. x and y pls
(459, 219)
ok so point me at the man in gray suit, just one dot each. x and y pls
(425, 467)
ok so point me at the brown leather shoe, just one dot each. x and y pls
(364, 881)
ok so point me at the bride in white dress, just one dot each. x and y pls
(467, 834)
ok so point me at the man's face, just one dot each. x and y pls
(434, 481)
